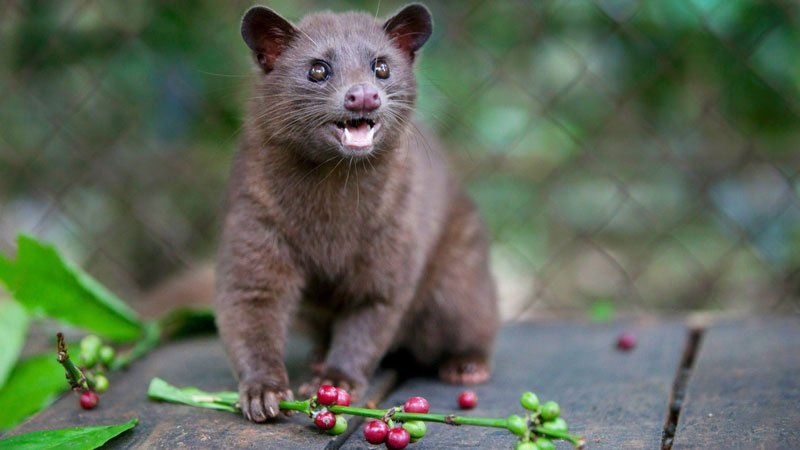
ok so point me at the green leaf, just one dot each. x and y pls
(33, 384)
(14, 323)
(6, 268)
(45, 284)
(161, 390)
(79, 438)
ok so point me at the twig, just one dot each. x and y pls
(75, 376)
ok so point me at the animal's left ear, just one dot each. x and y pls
(410, 28)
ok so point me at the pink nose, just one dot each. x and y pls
(362, 98)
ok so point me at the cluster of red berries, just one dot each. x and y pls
(328, 395)
(535, 430)
(94, 355)
(398, 436)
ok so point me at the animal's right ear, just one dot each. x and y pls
(267, 34)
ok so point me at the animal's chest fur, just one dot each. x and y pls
(337, 232)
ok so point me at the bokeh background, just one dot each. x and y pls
(640, 155)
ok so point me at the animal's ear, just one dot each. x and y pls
(267, 34)
(410, 28)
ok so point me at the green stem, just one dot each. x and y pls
(440, 418)
(76, 377)
(576, 441)
(164, 391)
(300, 405)
(151, 339)
(403, 416)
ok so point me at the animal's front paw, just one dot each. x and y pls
(259, 398)
(465, 370)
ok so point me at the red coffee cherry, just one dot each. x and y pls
(325, 420)
(626, 341)
(397, 439)
(416, 405)
(89, 400)
(342, 398)
(327, 394)
(467, 400)
(376, 431)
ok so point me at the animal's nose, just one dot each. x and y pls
(362, 98)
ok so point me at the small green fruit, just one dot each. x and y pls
(416, 428)
(339, 427)
(550, 410)
(87, 360)
(516, 425)
(107, 355)
(557, 424)
(90, 347)
(545, 444)
(520, 445)
(529, 401)
(100, 383)
(90, 343)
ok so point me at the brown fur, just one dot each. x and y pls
(385, 250)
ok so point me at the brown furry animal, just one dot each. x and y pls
(341, 210)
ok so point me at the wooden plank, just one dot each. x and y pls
(198, 362)
(744, 390)
(615, 399)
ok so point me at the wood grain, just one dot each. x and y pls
(198, 362)
(615, 399)
(744, 390)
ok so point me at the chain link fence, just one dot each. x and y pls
(643, 153)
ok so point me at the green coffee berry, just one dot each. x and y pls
(550, 410)
(516, 425)
(90, 347)
(90, 344)
(545, 444)
(523, 445)
(100, 383)
(87, 360)
(557, 424)
(107, 355)
(416, 428)
(339, 427)
(529, 401)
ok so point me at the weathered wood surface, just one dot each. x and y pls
(743, 392)
(744, 389)
(616, 399)
(200, 363)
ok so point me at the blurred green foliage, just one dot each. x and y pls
(643, 151)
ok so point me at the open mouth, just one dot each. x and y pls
(356, 134)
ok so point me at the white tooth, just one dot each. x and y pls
(346, 137)
(371, 132)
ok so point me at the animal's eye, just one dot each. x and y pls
(320, 71)
(381, 68)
